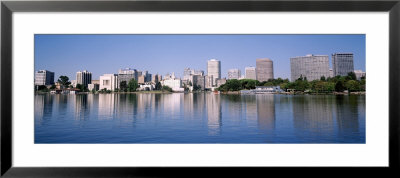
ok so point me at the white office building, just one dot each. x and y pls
(234, 74)
(359, 74)
(44, 77)
(109, 82)
(214, 69)
(250, 73)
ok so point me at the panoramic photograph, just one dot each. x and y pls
(199, 88)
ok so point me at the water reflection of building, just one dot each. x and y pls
(144, 104)
(214, 114)
(251, 109)
(81, 107)
(312, 115)
(39, 107)
(234, 107)
(172, 103)
(346, 110)
(107, 105)
(188, 108)
(265, 111)
(43, 108)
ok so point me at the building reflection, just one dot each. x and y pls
(313, 116)
(251, 110)
(347, 111)
(265, 111)
(172, 104)
(234, 107)
(82, 106)
(107, 105)
(214, 114)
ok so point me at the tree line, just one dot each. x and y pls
(323, 85)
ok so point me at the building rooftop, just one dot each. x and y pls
(264, 59)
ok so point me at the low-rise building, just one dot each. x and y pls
(93, 86)
(146, 87)
(109, 82)
(359, 74)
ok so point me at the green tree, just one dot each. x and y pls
(158, 86)
(79, 86)
(42, 88)
(123, 86)
(53, 87)
(166, 88)
(132, 85)
(352, 76)
(322, 78)
(64, 81)
(353, 85)
(339, 86)
(233, 85)
(251, 84)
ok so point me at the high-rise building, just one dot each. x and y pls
(109, 81)
(155, 78)
(214, 69)
(250, 73)
(126, 75)
(44, 77)
(141, 79)
(84, 78)
(331, 73)
(209, 81)
(147, 76)
(342, 63)
(264, 69)
(313, 67)
(198, 80)
(186, 73)
(233, 74)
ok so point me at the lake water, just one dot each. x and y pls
(199, 118)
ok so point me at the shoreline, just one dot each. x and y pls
(221, 93)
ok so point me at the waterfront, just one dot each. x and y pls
(199, 118)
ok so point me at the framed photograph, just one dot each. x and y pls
(142, 88)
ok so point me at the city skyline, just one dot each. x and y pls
(161, 54)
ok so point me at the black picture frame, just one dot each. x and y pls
(8, 7)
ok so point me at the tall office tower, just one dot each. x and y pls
(44, 77)
(214, 69)
(342, 63)
(264, 69)
(155, 78)
(147, 76)
(198, 72)
(311, 66)
(126, 75)
(141, 79)
(233, 74)
(198, 80)
(250, 73)
(209, 81)
(186, 73)
(84, 78)
(109, 82)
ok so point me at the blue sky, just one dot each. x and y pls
(162, 54)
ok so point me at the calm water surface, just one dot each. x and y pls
(199, 118)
